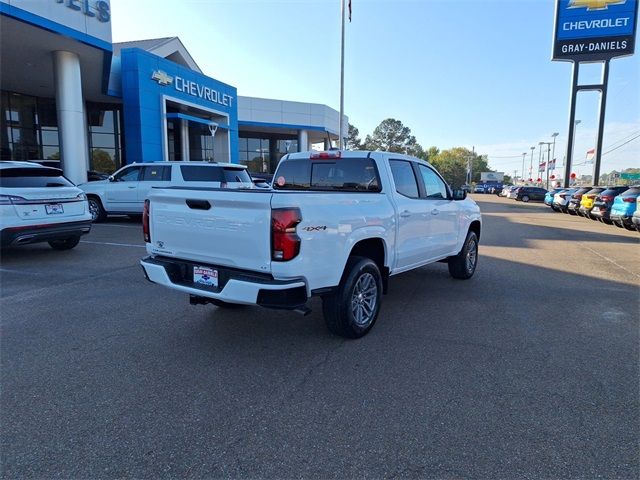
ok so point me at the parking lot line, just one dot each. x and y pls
(113, 244)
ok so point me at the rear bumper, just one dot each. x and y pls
(621, 218)
(12, 236)
(234, 286)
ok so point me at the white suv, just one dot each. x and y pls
(124, 192)
(38, 204)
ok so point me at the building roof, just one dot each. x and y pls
(170, 48)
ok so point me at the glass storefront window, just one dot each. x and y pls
(105, 133)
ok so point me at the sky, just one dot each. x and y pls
(471, 73)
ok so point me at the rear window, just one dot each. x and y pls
(202, 173)
(632, 192)
(344, 174)
(35, 177)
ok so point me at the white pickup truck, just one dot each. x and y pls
(335, 224)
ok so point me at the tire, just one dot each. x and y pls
(463, 265)
(630, 227)
(618, 223)
(352, 310)
(66, 244)
(525, 198)
(98, 215)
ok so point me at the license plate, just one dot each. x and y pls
(205, 276)
(54, 209)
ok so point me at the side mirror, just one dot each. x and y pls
(459, 194)
(111, 178)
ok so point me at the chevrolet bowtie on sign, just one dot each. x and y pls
(594, 30)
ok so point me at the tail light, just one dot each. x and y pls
(563, 195)
(628, 199)
(326, 155)
(145, 222)
(606, 198)
(591, 197)
(285, 243)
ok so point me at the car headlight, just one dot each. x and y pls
(81, 196)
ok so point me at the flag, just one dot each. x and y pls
(552, 164)
(541, 166)
(591, 153)
(349, 11)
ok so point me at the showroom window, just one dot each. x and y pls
(29, 128)
(254, 153)
(105, 137)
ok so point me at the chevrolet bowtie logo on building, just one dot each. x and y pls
(594, 4)
(162, 77)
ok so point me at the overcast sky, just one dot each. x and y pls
(457, 72)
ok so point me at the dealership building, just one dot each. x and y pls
(70, 95)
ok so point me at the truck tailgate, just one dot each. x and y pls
(219, 227)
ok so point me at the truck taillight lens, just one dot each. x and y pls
(145, 222)
(285, 243)
(629, 199)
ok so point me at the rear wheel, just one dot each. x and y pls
(629, 226)
(353, 309)
(463, 265)
(98, 213)
(618, 223)
(66, 244)
(525, 198)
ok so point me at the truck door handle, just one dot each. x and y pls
(132, 186)
(405, 214)
(198, 204)
(435, 211)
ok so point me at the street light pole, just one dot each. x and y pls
(531, 163)
(524, 154)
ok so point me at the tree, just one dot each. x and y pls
(392, 136)
(430, 153)
(353, 139)
(452, 165)
(101, 161)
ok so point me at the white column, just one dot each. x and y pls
(303, 141)
(184, 139)
(72, 126)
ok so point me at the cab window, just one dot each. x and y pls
(433, 184)
(404, 178)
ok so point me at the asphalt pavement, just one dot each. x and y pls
(528, 370)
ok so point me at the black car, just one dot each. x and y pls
(602, 206)
(576, 198)
(527, 194)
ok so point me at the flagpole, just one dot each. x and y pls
(340, 129)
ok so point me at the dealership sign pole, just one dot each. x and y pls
(592, 31)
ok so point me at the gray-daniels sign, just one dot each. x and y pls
(594, 30)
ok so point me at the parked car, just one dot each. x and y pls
(586, 203)
(636, 215)
(527, 194)
(561, 199)
(262, 180)
(38, 204)
(624, 205)
(478, 189)
(574, 201)
(603, 202)
(548, 197)
(513, 191)
(124, 192)
(505, 190)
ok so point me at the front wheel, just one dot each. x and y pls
(353, 309)
(463, 265)
(66, 244)
(525, 198)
